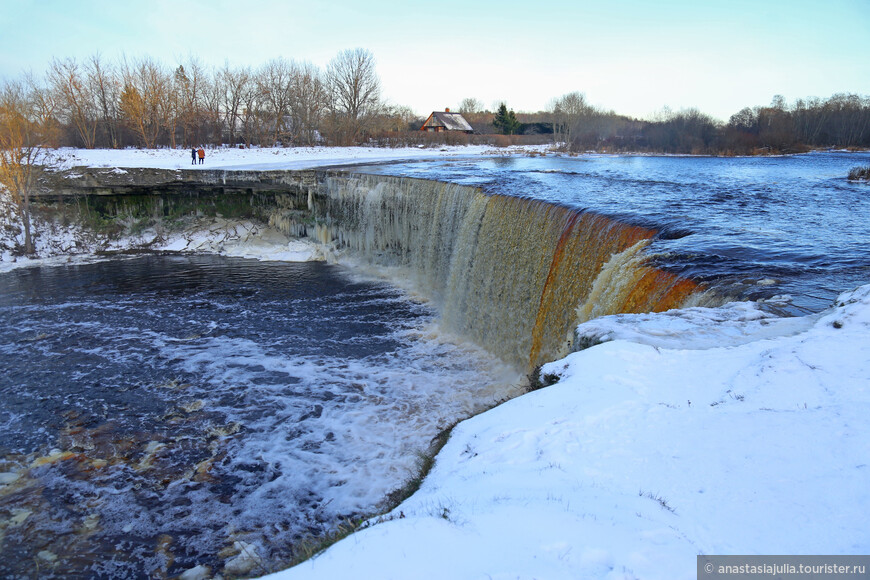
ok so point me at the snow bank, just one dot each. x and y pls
(54, 243)
(239, 239)
(266, 158)
(57, 244)
(646, 453)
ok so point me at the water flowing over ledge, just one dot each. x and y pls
(582, 451)
(515, 275)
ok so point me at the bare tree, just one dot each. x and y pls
(190, 87)
(470, 106)
(145, 101)
(355, 91)
(211, 114)
(745, 120)
(74, 96)
(44, 108)
(252, 115)
(400, 117)
(234, 84)
(105, 89)
(275, 85)
(173, 105)
(20, 150)
(568, 114)
(308, 101)
(185, 105)
(848, 122)
(775, 125)
(809, 117)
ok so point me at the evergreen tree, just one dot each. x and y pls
(506, 121)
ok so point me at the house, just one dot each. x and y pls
(444, 120)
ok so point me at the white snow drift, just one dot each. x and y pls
(702, 431)
(646, 453)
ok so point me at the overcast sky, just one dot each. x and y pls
(631, 56)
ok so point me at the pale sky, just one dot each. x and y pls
(631, 56)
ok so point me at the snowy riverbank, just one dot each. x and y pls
(266, 158)
(702, 431)
(56, 243)
(646, 453)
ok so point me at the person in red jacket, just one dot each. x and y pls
(201, 153)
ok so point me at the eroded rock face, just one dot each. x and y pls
(112, 201)
(116, 181)
(98, 209)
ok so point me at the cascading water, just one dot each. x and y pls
(513, 274)
(164, 412)
(193, 411)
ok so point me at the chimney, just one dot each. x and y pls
(446, 109)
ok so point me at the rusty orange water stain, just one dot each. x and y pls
(585, 243)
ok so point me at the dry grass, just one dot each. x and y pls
(860, 173)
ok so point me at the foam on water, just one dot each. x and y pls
(794, 220)
(171, 408)
(506, 272)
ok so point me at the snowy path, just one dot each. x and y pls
(266, 158)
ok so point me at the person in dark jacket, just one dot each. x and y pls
(193, 155)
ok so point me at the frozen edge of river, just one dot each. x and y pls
(642, 457)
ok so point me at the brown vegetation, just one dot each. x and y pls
(860, 173)
(840, 121)
(142, 102)
(19, 152)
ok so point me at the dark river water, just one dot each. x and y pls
(793, 220)
(155, 411)
(162, 412)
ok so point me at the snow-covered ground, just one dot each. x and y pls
(265, 158)
(703, 431)
(55, 243)
(646, 453)
(58, 244)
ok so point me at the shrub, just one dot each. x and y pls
(540, 381)
(860, 173)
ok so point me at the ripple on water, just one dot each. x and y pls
(175, 412)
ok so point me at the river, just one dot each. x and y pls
(160, 412)
(159, 409)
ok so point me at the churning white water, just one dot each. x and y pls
(159, 413)
(171, 409)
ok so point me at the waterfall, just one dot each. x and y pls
(514, 275)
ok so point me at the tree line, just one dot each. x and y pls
(141, 102)
(842, 120)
